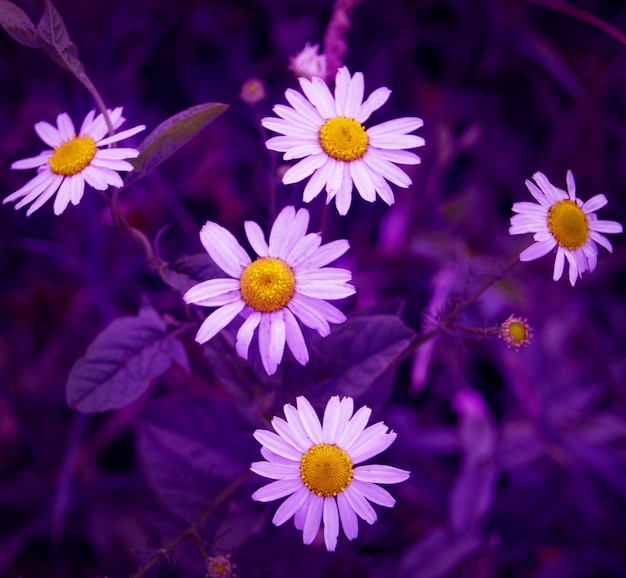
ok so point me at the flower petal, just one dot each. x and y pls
(331, 524)
(377, 474)
(349, 520)
(214, 292)
(224, 249)
(219, 319)
(310, 421)
(290, 506)
(276, 471)
(313, 519)
(277, 490)
(246, 333)
(276, 444)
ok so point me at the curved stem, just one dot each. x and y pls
(582, 16)
(192, 531)
(447, 323)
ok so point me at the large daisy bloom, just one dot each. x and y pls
(316, 465)
(561, 221)
(73, 160)
(337, 151)
(288, 280)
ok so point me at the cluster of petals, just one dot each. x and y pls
(300, 125)
(100, 173)
(308, 62)
(295, 435)
(533, 218)
(314, 284)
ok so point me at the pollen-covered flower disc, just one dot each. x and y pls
(316, 466)
(288, 280)
(563, 222)
(336, 149)
(73, 160)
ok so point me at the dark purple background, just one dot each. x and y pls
(530, 481)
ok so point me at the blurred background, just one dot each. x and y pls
(517, 459)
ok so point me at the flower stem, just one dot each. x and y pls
(582, 16)
(192, 530)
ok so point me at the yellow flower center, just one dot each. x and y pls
(343, 139)
(568, 224)
(517, 331)
(326, 470)
(267, 284)
(72, 156)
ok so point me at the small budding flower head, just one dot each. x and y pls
(516, 332)
(253, 91)
(220, 567)
(308, 63)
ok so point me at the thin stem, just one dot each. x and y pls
(583, 16)
(99, 101)
(192, 530)
(446, 323)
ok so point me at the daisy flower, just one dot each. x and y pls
(316, 466)
(288, 280)
(337, 151)
(515, 332)
(74, 160)
(560, 220)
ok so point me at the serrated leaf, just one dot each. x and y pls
(17, 24)
(357, 354)
(171, 135)
(120, 364)
(190, 270)
(55, 40)
(191, 448)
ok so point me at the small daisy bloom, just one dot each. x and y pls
(308, 63)
(515, 332)
(73, 160)
(337, 151)
(560, 220)
(288, 280)
(316, 466)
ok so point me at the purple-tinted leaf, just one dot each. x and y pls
(121, 362)
(171, 135)
(55, 40)
(439, 552)
(189, 270)
(472, 496)
(192, 448)
(356, 355)
(17, 24)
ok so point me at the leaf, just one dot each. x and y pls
(192, 448)
(190, 270)
(356, 355)
(171, 135)
(55, 40)
(439, 552)
(120, 364)
(472, 496)
(17, 24)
